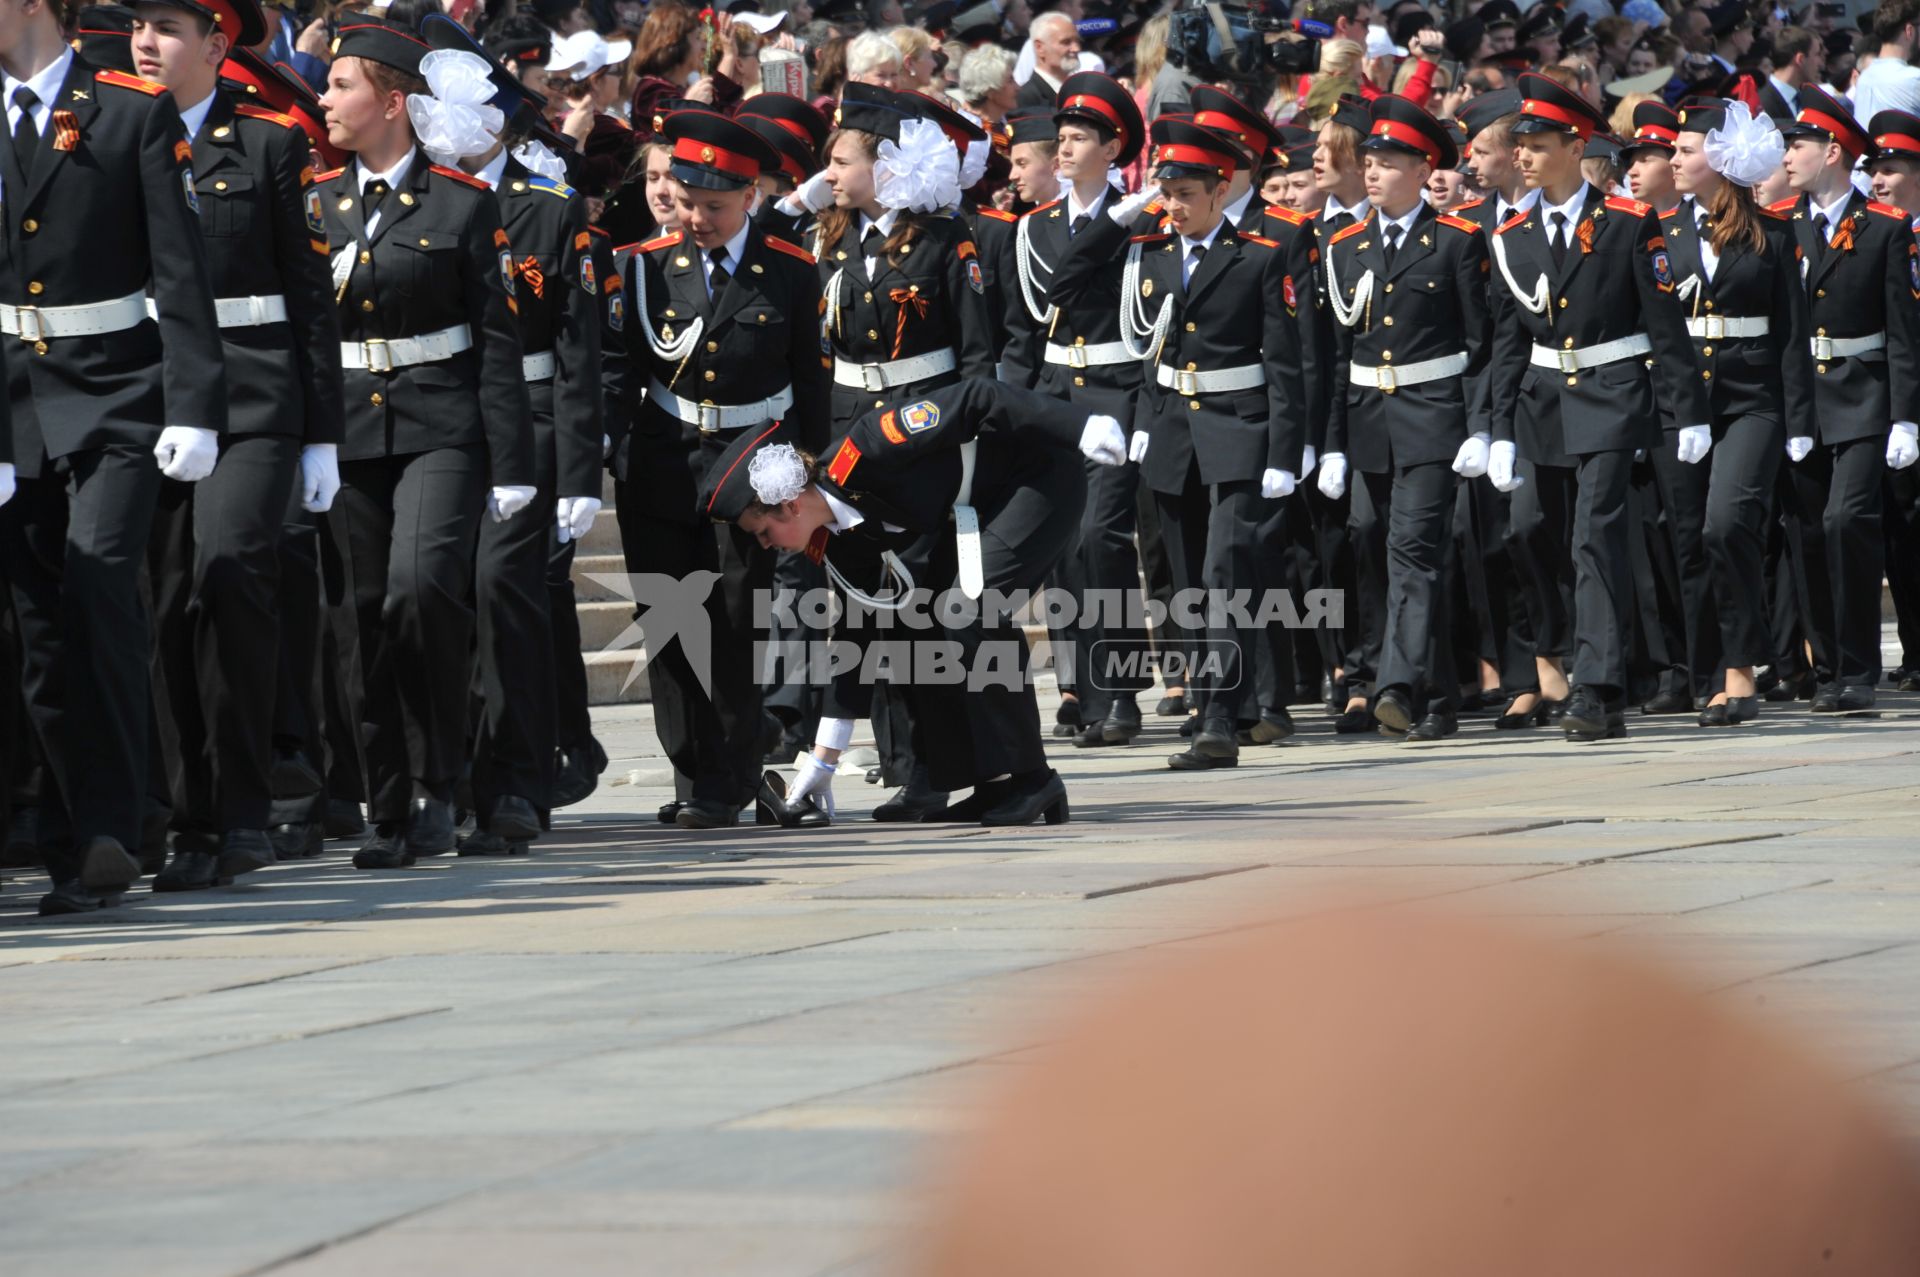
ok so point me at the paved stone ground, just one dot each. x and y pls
(646, 1052)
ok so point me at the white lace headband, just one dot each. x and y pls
(777, 474)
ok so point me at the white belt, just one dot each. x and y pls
(714, 417)
(1214, 381)
(1390, 377)
(1584, 357)
(241, 312)
(1720, 327)
(37, 323)
(874, 378)
(379, 355)
(1094, 356)
(1825, 348)
(966, 525)
(537, 367)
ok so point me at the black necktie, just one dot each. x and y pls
(26, 134)
(1194, 258)
(1079, 224)
(719, 278)
(1820, 226)
(872, 241)
(371, 198)
(1393, 243)
(1557, 239)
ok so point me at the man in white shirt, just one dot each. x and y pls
(1890, 82)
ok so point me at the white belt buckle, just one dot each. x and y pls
(872, 379)
(378, 357)
(709, 419)
(1823, 349)
(1186, 382)
(31, 328)
(1384, 380)
(1077, 357)
(1569, 361)
(1716, 327)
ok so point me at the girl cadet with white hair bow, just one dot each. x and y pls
(1734, 268)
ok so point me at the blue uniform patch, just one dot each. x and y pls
(586, 275)
(916, 417)
(315, 221)
(617, 311)
(506, 269)
(550, 186)
(1663, 271)
(975, 280)
(193, 198)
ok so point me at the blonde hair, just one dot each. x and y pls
(1340, 57)
(912, 42)
(1150, 49)
(1620, 123)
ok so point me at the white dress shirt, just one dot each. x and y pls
(391, 177)
(845, 517)
(1788, 94)
(1187, 259)
(1832, 212)
(1356, 211)
(196, 115)
(1076, 210)
(494, 169)
(886, 224)
(1570, 211)
(1237, 211)
(1709, 260)
(45, 84)
(736, 249)
(1404, 222)
(1506, 211)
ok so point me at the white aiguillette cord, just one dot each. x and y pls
(667, 352)
(1536, 301)
(1134, 325)
(1023, 254)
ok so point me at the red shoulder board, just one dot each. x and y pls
(1666, 213)
(1458, 223)
(1783, 206)
(595, 230)
(468, 178)
(1154, 238)
(665, 241)
(791, 250)
(1040, 208)
(329, 175)
(1461, 208)
(1155, 208)
(125, 81)
(1774, 211)
(998, 215)
(1621, 204)
(1354, 229)
(253, 112)
(1261, 240)
(1291, 216)
(1886, 210)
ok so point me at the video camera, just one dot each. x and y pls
(1214, 41)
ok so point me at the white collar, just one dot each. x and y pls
(45, 82)
(1571, 209)
(845, 517)
(1046, 79)
(391, 177)
(1238, 209)
(736, 248)
(885, 222)
(1834, 211)
(1528, 198)
(196, 115)
(1785, 90)
(1357, 211)
(1205, 241)
(494, 169)
(1405, 221)
(1074, 208)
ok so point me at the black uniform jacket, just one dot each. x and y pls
(1867, 280)
(439, 257)
(108, 212)
(1431, 303)
(993, 233)
(1612, 283)
(265, 236)
(759, 335)
(1084, 289)
(557, 285)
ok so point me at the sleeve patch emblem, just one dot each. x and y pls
(916, 417)
(587, 282)
(975, 280)
(616, 311)
(843, 461)
(506, 269)
(316, 220)
(186, 182)
(890, 427)
(1663, 271)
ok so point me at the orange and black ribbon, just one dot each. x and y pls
(1585, 233)
(536, 279)
(907, 299)
(66, 130)
(1842, 241)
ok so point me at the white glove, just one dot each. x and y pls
(810, 196)
(1798, 447)
(319, 476)
(1693, 445)
(1308, 460)
(187, 453)
(1137, 447)
(1104, 442)
(505, 502)
(1129, 208)
(1501, 457)
(575, 516)
(1275, 484)
(1471, 461)
(7, 483)
(1903, 445)
(1333, 476)
(811, 776)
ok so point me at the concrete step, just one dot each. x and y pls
(607, 678)
(587, 566)
(601, 622)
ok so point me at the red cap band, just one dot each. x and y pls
(1100, 107)
(794, 127)
(1656, 133)
(1410, 136)
(694, 151)
(1849, 139)
(1559, 115)
(1179, 153)
(1223, 122)
(1897, 142)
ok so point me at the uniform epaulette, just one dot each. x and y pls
(1291, 216)
(1261, 240)
(665, 241)
(1783, 206)
(1459, 223)
(454, 173)
(1354, 229)
(1886, 210)
(551, 186)
(600, 231)
(1153, 238)
(120, 79)
(1041, 208)
(1154, 209)
(1621, 204)
(1461, 208)
(253, 112)
(1669, 212)
(997, 214)
(329, 175)
(1776, 213)
(1511, 222)
(791, 250)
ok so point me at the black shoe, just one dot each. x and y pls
(987, 795)
(106, 868)
(344, 819)
(579, 775)
(71, 897)
(190, 869)
(1333, 694)
(772, 808)
(1275, 725)
(1353, 722)
(299, 841)
(151, 855)
(385, 848)
(484, 842)
(429, 828)
(1437, 725)
(1193, 761)
(1171, 706)
(1794, 687)
(1827, 699)
(1188, 725)
(1668, 702)
(1066, 719)
(1512, 722)
(669, 813)
(1588, 718)
(1094, 736)
(1041, 795)
(1122, 722)
(1215, 739)
(514, 819)
(1731, 712)
(1551, 712)
(1395, 715)
(910, 806)
(1855, 699)
(244, 850)
(22, 850)
(295, 777)
(707, 813)
(1909, 682)
(789, 747)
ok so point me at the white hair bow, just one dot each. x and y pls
(1744, 150)
(456, 121)
(539, 158)
(777, 474)
(920, 172)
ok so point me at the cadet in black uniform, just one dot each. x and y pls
(1408, 293)
(1735, 268)
(722, 325)
(98, 180)
(438, 434)
(988, 473)
(215, 551)
(1861, 286)
(1578, 307)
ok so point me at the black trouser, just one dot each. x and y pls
(1843, 556)
(1540, 538)
(795, 700)
(405, 528)
(1402, 537)
(515, 733)
(573, 722)
(1173, 642)
(75, 540)
(1333, 569)
(1683, 491)
(1659, 654)
(710, 733)
(1745, 459)
(1108, 563)
(214, 560)
(1900, 496)
(298, 721)
(1602, 570)
(1272, 666)
(1212, 539)
(1786, 589)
